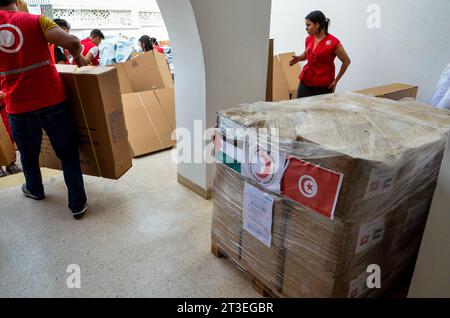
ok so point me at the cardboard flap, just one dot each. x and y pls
(7, 153)
(166, 98)
(292, 73)
(142, 136)
(387, 89)
(164, 70)
(125, 85)
(143, 73)
(148, 127)
(280, 85)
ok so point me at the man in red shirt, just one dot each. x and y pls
(35, 98)
(321, 48)
(60, 55)
(90, 47)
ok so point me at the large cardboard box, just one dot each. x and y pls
(7, 153)
(150, 122)
(96, 106)
(284, 81)
(395, 91)
(145, 72)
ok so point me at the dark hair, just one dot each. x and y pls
(4, 3)
(146, 42)
(155, 41)
(97, 32)
(62, 23)
(319, 17)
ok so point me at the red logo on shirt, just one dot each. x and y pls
(11, 38)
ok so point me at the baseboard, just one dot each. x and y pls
(205, 194)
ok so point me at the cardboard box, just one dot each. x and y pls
(392, 91)
(291, 73)
(7, 153)
(98, 113)
(136, 54)
(125, 85)
(149, 124)
(145, 72)
(284, 81)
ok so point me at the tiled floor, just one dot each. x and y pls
(145, 236)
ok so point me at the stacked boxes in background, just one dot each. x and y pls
(96, 106)
(356, 188)
(149, 103)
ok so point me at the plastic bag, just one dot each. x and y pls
(441, 98)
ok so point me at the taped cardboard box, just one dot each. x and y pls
(145, 72)
(395, 91)
(97, 109)
(149, 126)
(7, 152)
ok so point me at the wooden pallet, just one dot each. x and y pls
(259, 286)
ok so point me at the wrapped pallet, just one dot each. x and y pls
(340, 182)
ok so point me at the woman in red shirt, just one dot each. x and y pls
(321, 48)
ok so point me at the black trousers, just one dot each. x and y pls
(307, 91)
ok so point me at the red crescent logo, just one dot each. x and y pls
(11, 38)
(265, 163)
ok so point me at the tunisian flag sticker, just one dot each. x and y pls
(312, 186)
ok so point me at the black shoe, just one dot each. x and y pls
(13, 169)
(28, 194)
(2, 173)
(79, 215)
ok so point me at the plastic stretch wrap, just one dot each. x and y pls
(386, 156)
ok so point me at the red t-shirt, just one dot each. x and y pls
(27, 75)
(320, 70)
(87, 46)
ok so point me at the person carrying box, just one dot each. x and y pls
(35, 98)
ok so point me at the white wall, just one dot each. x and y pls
(432, 274)
(234, 37)
(412, 45)
(235, 40)
(190, 88)
(135, 30)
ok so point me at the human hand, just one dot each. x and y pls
(2, 96)
(295, 60)
(80, 61)
(333, 86)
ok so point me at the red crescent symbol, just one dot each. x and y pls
(264, 157)
(16, 43)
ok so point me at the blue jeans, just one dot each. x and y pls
(57, 123)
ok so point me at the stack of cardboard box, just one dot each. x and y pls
(149, 104)
(358, 178)
(97, 109)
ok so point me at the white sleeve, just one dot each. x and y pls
(94, 51)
